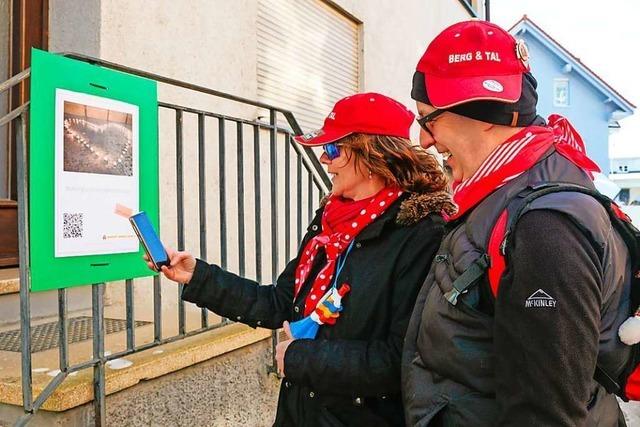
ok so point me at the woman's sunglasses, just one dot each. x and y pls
(332, 150)
(424, 121)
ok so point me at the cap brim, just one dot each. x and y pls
(448, 92)
(320, 137)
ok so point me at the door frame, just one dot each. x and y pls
(29, 27)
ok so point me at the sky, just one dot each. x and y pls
(605, 35)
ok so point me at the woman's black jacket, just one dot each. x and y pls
(350, 374)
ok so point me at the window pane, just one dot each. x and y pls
(560, 92)
(308, 57)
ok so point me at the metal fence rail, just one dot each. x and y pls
(307, 168)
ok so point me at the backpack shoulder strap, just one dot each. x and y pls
(533, 193)
(504, 227)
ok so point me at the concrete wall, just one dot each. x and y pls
(75, 26)
(212, 44)
(231, 390)
(395, 35)
(217, 48)
(587, 110)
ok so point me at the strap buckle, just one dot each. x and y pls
(468, 278)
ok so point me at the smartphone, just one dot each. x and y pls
(149, 239)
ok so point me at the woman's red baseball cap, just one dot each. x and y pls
(471, 61)
(370, 113)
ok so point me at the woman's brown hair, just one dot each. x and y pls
(397, 161)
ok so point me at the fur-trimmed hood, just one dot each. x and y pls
(417, 206)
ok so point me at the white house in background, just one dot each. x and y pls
(626, 173)
(568, 87)
(625, 163)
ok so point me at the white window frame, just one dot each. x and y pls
(560, 83)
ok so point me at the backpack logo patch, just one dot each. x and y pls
(540, 299)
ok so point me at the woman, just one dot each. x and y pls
(350, 291)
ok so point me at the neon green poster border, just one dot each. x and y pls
(48, 73)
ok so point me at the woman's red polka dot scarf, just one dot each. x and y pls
(342, 221)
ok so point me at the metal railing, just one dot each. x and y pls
(306, 166)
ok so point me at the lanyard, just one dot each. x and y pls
(341, 261)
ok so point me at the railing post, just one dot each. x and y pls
(273, 139)
(257, 201)
(62, 330)
(287, 200)
(180, 212)
(157, 309)
(23, 251)
(97, 311)
(310, 198)
(240, 179)
(202, 203)
(130, 315)
(223, 192)
(299, 199)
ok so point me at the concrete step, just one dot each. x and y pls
(43, 304)
(215, 378)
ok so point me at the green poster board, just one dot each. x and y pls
(93, 147)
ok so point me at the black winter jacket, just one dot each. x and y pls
(507, 361)
(350, 374)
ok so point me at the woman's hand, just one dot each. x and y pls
(182, 265)
(282, 346)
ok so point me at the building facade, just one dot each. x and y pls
(297, 55)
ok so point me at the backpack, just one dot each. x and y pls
(627, 384)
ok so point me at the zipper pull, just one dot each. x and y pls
(503, 245)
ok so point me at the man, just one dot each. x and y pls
(511, 338)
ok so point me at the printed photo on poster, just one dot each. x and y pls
(96, 168)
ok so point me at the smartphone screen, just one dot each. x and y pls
(149, 239)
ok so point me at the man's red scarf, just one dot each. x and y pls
(517, 155)
(342, 220)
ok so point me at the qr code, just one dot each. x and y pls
(72, 225)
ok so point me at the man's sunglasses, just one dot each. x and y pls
(332, 150)
(423, 121)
